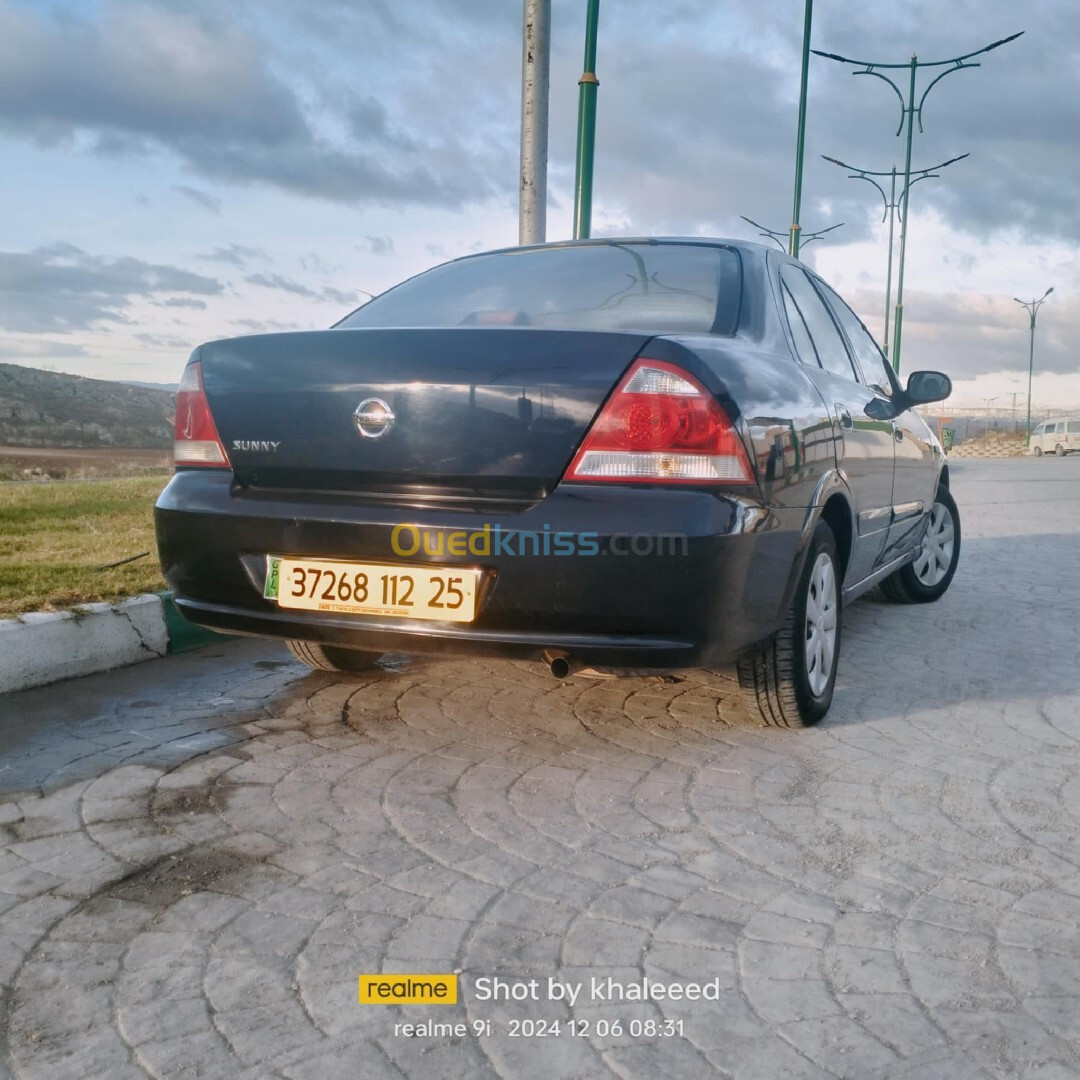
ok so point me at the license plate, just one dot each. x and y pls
(422, 592)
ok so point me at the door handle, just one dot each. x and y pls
(843, 414)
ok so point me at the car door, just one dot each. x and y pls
(914, 446)
(864, 447)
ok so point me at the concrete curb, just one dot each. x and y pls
(46, 646)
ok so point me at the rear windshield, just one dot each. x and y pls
(656, 288)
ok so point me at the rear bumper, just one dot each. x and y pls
(715, 582)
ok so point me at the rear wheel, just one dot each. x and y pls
(929, 576)
(332, 657)
(1059, 450)
(789, 681)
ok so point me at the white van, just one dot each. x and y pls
(1058, 435)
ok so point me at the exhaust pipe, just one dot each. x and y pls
(561, 664)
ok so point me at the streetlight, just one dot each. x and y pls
(586, 130)
(909, 108)
(1032, 308)
(775, 235)
(794, 237)
(986, 419)
(892, 209)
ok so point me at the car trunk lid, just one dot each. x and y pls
(489, 412)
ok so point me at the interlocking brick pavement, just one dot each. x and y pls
(200, 855)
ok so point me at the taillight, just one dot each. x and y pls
(196, 441)
(661, 426)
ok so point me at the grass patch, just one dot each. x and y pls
(54, 536)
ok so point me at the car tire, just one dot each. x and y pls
(1038, 451)
(1059, 450)
(930, 575)
(332, 657)
(789, 680)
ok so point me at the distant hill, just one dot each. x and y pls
(166, 386)
(45, 408)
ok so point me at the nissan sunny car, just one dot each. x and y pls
(626, 455)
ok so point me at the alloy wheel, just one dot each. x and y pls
(821, 623)
(935, 557)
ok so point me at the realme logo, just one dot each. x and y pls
(408, 990)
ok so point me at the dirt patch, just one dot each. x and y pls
(182, 801)
(169, 879)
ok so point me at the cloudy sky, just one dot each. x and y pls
(177, 170)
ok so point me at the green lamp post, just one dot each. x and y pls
(586, 131)
(892, 207)
(910, 109)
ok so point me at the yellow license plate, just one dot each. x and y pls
(421, 592)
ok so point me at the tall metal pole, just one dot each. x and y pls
(800, 139)
(891, 212)
(535, 83)
(1031, 369)
(904, 220)
(1032, 309)
(586, 134)
(888, 272)
(908, 111)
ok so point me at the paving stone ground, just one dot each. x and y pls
(200, 855)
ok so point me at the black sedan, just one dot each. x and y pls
(625, 455)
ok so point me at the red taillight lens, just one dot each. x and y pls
(196, 441)
(661, 426)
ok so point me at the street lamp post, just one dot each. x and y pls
(1032, 308)
(776, 235)
(892, 210)
(794, 239)
(909, 110)
(586, 133)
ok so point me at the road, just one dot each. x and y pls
(198, 856)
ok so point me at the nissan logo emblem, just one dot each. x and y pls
(373, 418)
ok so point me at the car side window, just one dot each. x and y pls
(832, 353)
(803, 345)
(1074, 427)
(875, 368)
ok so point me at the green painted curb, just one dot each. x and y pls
(185, 635)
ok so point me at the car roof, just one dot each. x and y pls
(749, 246)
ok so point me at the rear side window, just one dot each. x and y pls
(832, 353)
(1074, 427)
(871, 359)
(656, 288)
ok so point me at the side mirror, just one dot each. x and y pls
(926, 386)
(881, 409)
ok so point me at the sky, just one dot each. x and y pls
(181, 170)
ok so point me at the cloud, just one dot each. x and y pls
(197, 81)
(14, 349)
(164, 341)
(234, 254)
(184, 302)
(972, 334)
(378, 245)
(61, 288)
(269, 326)
(200, 198)
(326, 293)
